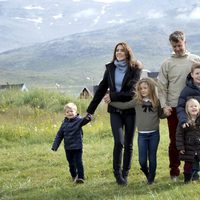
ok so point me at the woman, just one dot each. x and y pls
(120, 77)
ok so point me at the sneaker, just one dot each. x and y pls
(174, 178)
(74, 178)
(194, 181)
(79, 180)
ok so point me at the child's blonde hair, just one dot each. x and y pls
(70, 106)
(186, 107)
(152, 91)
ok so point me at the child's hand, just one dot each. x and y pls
(185, 125)
(182, 151)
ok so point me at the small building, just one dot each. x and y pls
(20, 86)
(153, 75)
(88, 92)
(147, 73)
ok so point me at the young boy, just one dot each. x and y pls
(72, 133)
(191, 90)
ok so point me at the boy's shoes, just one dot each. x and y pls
(79, 181)
(150, 179)
(150, 182)
(74, 178)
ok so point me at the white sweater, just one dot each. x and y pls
(172, 78)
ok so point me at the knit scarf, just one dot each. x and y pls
(121, 67)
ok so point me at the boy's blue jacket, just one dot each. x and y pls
(72, 133)
(190, 91)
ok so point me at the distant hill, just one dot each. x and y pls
(26, 22)
(70, 60)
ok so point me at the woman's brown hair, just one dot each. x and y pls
(130, 58)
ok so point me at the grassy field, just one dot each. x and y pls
(30, 170)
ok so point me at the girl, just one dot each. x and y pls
(188, 138)
(120, 77)
(148, 112)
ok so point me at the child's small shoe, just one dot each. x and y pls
(79, 181)
(74, 178)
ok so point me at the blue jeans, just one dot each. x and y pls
(147, 147)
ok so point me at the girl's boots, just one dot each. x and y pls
(119, 179)
(150, 177)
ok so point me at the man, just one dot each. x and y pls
(172, 77)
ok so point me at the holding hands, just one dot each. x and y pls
(167, 110)
(107, 98)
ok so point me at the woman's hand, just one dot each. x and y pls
(107, 98)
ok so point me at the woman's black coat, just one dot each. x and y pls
(126, 93)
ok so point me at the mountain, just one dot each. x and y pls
(26, 22)
(79, 59)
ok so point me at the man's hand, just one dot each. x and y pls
(167, 110)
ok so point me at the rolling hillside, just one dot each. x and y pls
(70, 60)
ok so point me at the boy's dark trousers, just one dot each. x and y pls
(74, 158)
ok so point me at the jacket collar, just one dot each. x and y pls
(184, 55)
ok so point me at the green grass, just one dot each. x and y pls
(30, 170)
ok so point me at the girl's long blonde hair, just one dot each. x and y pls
(152, 91)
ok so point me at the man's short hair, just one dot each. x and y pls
(177, 36)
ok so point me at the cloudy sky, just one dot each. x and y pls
(42, 20)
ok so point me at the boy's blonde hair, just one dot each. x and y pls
(152, 91)
(186, 106)
(70, 106)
